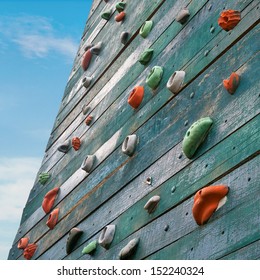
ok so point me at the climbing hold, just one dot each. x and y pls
(53, 218)
(175, 82)
(212, 29)
(146, 28)
(152, 203)
(146, 56)
(195, 135)
(149, 180)
(229, 19)
(88, 120)
(44, 177)
(107, 14)
(49, 199)
(120, 17)
(88, 46)
(96, 48)
(183, 16)
(86, 81)
(106, 236)
(90, 248)
(120, 6)
(85, 108)
(29, 251)
(136, 96)
(72, 239)
(64, 147)
(88, 163)
(154, 77)
(23, 242)
(124, 37)
(207, 201)
(232, 83)
(76, 143)
(129, 249)
(86, 60)
(129, 145)
(166, 227)
(206, 52)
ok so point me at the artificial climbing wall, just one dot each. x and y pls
(117, 182)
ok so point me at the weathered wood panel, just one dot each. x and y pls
(115, 191)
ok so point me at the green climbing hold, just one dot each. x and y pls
(195, 135)
(120, 6)
(146, 56)
(146, 28)
(154, 77)
(43, 178)
(106, 15)
(90, 248)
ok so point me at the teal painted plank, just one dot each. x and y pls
(249, 252)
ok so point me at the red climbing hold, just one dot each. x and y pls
(86, 60)
(49, 199)
(232, 83)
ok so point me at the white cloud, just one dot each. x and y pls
(17, 176)
(36, 37)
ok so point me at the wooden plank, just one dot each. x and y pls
(249, 252)
(175, 127)
(148, 115)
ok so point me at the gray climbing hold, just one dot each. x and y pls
(175, 82)
(85, 109)
(86, 81)
(88, 46)
(129, 249)
(107, 235)
(73, 237)
(64, 147)
(152, 203)
(129, 145)
(183, 16)
(124, 37)
(148, 180)
(96, 48)
(88, 163)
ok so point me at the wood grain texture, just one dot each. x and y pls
(99, 130)
(115, 191)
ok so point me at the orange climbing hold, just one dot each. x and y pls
(232, 83)
(206, 202)
(136, 96)
(49, 199)
(120, 17)
(88, 120)
(53, 218)
(86, 59)
(229, 19)
(23, 242)
(76, 143)
(29, 251)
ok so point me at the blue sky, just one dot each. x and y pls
(38, 44)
